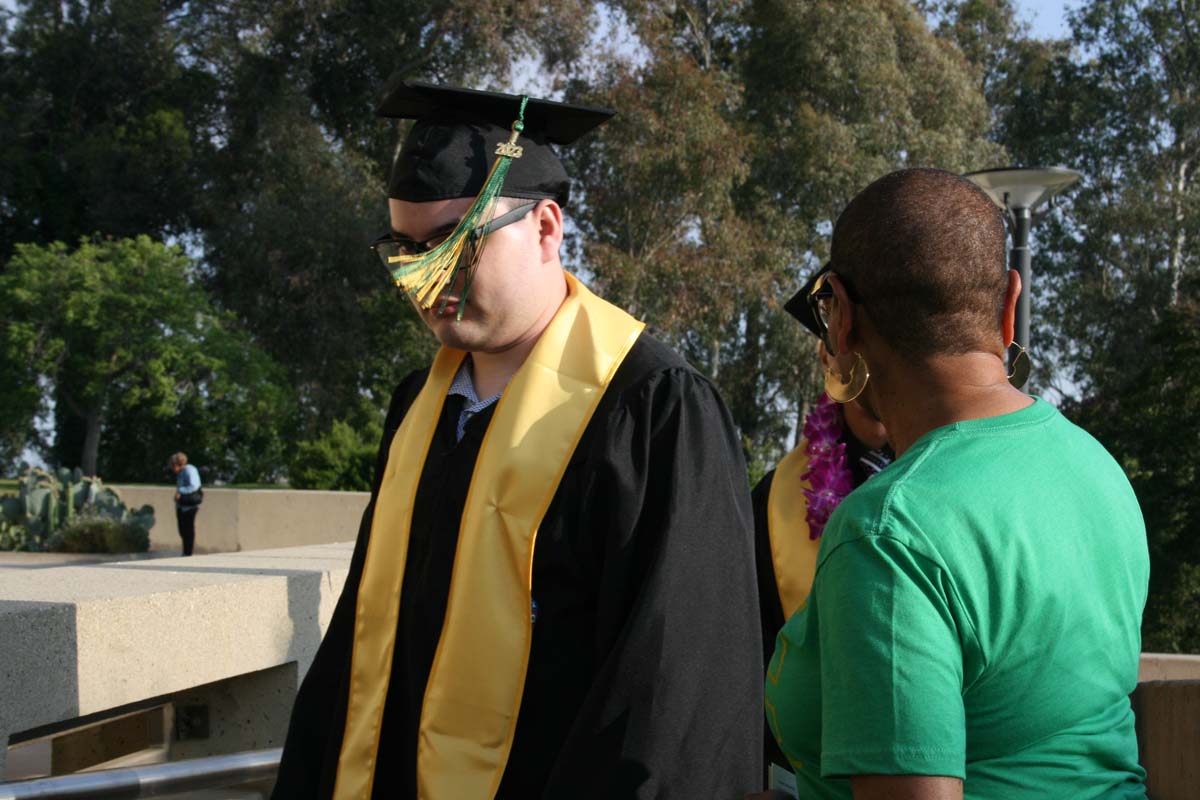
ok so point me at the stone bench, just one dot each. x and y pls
(232, 633)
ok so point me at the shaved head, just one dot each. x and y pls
(924, 252)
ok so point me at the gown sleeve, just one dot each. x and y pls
(675, 707)
(308, 766)
(770, 606)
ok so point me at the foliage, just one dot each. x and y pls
(116, 332)
(65, 510)
(1119, 103)
(342, 52)
(1150, 420)
(295, 188)
(713, 192)
(38, 509)
(233, 417)
(1115, 264)
(290, 263)
(101, 122)
(342, 459)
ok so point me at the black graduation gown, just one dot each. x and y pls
(645, 669)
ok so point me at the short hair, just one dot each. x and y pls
(924, 251)
(179, 458)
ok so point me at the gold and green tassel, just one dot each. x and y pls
(425, 275)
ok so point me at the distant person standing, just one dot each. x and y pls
(188, 496)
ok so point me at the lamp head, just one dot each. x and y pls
(1023, 187)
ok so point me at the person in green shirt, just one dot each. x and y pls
(973, 628)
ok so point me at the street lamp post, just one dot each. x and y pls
(1021, 191)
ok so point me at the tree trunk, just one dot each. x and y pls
(1180, 243)
(91, 442)
(750, 410)
(803, 402)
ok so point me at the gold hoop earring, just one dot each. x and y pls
(843, 391)
(1020, 367)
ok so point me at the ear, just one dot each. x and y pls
(548, 217)
(842, 334)
(1008, 325)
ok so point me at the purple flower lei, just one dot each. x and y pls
(828, 474)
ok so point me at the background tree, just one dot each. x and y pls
(116, 329)
(1151, 423)
(246, 130)
(1115, 263)
(714, 192)
(297, 189)
(102, 124)
(1118, 260)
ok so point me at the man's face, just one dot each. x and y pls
(517, 283)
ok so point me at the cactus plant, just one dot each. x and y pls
(49, 502)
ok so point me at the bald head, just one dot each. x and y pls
(924, 252)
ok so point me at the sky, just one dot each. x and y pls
(1048, 18)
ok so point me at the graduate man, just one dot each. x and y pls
(553, 589)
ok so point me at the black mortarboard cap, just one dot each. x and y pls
(798, 306)
(451, 147)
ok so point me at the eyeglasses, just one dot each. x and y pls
(391, 246)
(821, 296)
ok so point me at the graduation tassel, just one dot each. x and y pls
(424, 276)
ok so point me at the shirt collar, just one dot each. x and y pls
(463, 385)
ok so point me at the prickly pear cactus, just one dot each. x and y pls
(12, 509)
(50, 502)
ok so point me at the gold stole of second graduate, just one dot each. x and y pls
(793, 554)
(478, 675)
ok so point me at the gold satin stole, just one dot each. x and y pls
(478, 675)
(793, 554)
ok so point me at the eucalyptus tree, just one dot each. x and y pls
(744, 129)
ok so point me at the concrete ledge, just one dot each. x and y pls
(78, 640)
(233, 520)
(1168, 667)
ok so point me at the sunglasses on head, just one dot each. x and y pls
(819, 298)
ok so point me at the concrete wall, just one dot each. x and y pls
(81, 640)
(1168, 667)
(232, 520)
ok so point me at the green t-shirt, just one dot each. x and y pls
(975, 613)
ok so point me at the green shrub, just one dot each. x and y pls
(127, 537)
(94, 534)
(342, 459)
(82, 535)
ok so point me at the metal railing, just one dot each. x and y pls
(151, 781)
